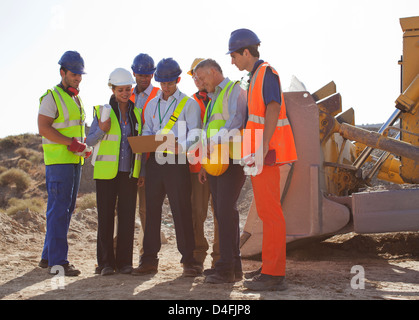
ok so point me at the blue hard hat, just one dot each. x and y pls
(143, 64)
(71, 60)
(167, 70)
(242, 38)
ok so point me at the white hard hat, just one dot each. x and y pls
(120, 77)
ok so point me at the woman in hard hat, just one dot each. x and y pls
(116, 171)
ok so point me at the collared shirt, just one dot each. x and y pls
(186, 128)
(271, 87)
(141, 98)
(96, 134)
(236, 109)
(125, 151)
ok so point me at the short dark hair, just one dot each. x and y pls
(209, 63)
(64, 69)
(253, 50)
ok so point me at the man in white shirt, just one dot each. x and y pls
(167, 172)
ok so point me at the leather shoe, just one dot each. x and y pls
(125, 270)
(69, 270)
(192, 269)
(107, 271)
(143, 269)
(265, 282)
(43, 263)
(217, 277)
(251, 274)
(238, 274)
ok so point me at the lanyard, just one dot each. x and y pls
(160, 118)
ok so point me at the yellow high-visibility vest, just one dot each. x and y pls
(107, 158)
(70, 123)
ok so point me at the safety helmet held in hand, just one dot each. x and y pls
(143, 64)
(218, 161)
(167, 70)
(120, 77)
(71, 60)
(242, 38)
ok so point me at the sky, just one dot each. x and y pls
(357, 44)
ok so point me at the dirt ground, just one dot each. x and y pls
(344, 267)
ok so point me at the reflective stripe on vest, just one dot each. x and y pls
(219, 116)
(219, 113)
(70, 123)
(153, 94)
(107, 159)
(282, 140)
(173, 118)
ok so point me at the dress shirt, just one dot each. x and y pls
(187, 127)
(237, 105)
(141, 98)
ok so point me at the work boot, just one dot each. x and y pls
(192, 269)
(69, 270)
(107, 271)
(238, 274)
(125, 269)
(220, 277)
(144, 268)
(265, 282)
(43, 263)
(251, 274)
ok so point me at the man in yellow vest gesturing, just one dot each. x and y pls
(225, 114)
(61, 123)
(271, 144)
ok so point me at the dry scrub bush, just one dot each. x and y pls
(16, 176)
(87, 201)
(32, 204)
(24, 164)
(33, 156)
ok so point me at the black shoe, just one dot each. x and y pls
(192, 269)
(144, 268)
(265, 282)
(69, 270)
(43, 263)
(238, 274)
(125, 270)
(107, 271)
(218, 277)
(251, 274)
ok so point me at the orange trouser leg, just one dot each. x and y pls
(266, 189)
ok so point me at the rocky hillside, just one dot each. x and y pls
(22, 174)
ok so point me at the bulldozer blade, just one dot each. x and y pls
(325, 91)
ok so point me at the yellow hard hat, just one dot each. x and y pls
(194, 63)
(217, 164)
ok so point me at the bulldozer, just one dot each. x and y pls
(329, 190)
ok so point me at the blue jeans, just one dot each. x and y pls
(62, 182)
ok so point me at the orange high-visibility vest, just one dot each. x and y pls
(282, 140)
(201, 105)
(153, 93)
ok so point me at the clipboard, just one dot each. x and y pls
(141, 144)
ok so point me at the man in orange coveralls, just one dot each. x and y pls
(268, 138)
